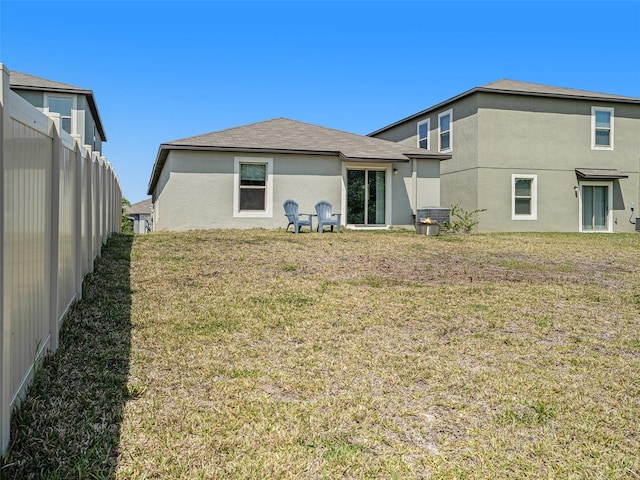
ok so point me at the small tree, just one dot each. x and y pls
(462, 221)
(127, 227)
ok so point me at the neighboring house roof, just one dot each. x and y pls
(514, 87)
(140, 208)
(23, 81)
(282, 135)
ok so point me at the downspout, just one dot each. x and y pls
(414, 186)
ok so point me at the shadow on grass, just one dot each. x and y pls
(69, 424)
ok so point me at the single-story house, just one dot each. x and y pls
(140, 214)
(240, 177)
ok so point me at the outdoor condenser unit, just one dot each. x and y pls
(436, 214)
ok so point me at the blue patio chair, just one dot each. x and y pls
(293, 216)
(325, 217)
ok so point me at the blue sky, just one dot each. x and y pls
(164, 70)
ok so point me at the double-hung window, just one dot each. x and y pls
(444, 131)
(423, 134)
(63, 106)
(524, 197)
(601, 128)
(253, 187)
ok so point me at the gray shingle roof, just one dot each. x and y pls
(525, 88)
(143, 207)
(282, 135)
(515, 87)
(31, 82)
(23, 81)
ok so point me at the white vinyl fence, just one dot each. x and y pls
(59, 202)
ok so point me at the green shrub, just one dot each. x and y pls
(462, 221)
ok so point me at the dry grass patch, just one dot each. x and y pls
(262, 354)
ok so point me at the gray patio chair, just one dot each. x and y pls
(325, 217)
(293, 216)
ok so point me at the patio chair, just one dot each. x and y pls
(293, 216)
(325, 217)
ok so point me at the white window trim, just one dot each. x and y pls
(609, 205)
(426, 122)
(440, 115)
(593, 128)
(388, 169)
(74, 108)
(534, 197)
(237, 213)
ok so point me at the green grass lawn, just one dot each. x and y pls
(264, 354)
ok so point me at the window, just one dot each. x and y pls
(253, 187)
(63, 106)
(601, 128)
(524, 197)
(444, 130)
(423, 134)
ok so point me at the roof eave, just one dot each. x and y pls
(165, 148)
(71, 91)
(570, 96)
(599, 174)
(594, 98)
(221, 148)
(349, 158)
(424, 112)
(81, 91)
(429, 156)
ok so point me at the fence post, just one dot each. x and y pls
(77, 240)
(95, 204)
(103, 200)
(54, 241)
(88, 218)
(5, 324)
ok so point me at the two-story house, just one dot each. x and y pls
(76, 106)
(536, 157)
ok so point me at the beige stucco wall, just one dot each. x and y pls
(550, 138)
(404, 133)
(195, 189)
(453, 189)
(428, 183)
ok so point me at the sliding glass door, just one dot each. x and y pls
(366, 191)
(595, 208)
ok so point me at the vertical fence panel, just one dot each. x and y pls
(95, 205)
(56, 211)
(87, 221)
(5, 325)
(66, 236)
(27, 242)
(77, 221)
